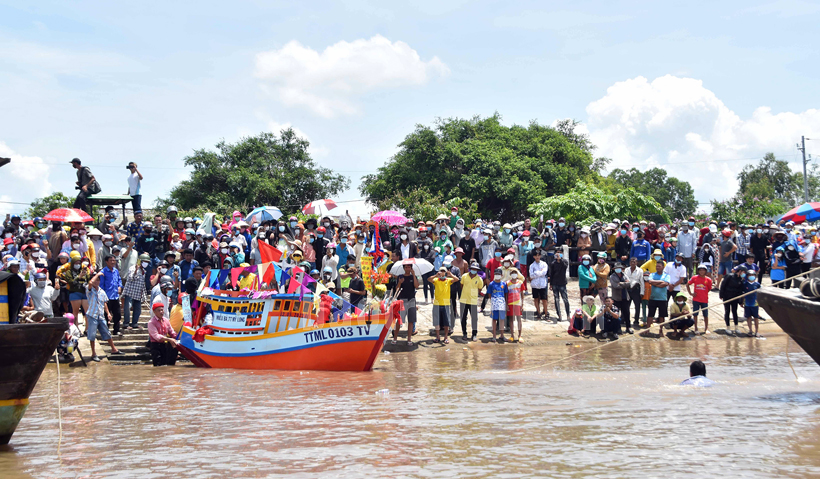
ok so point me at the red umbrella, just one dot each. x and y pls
(806, 212)
(68, 215)
(315, 207)
(390, 217)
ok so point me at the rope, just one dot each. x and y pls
(796, 377)
(59, 403)
(613, 342)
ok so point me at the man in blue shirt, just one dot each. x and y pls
(641, 249)
(187, 265)
(658, 300)
(111, 283)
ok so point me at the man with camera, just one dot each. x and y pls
(134, 180)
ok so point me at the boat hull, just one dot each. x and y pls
(24, 352)
(341, 346)
(796, 315)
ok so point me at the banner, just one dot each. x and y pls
(367, 270)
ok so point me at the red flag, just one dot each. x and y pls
(268, 252)
(235, 272)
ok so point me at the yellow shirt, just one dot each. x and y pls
(675, 309)
(649, 266)
(248, 282)
(176, 317)
(442, 296)
(470, 288)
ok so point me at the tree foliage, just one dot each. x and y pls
(675, 196)
(421, 204)
(41, 206)
(586, 203)
(748, 209)
(265, 169)
(500, 170)
(771, 178)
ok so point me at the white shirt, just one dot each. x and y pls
(538, 274)
(133, 184)
(635, 277)
(675, 273)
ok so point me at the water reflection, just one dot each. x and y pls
(614, 412)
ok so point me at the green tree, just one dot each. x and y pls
(675, 196)
(501, 170)
(265, 169)
(41, 206)
(771, 178)
(421, 204)
(748, 209)
(586, 203)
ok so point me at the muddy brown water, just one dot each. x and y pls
(614, 412)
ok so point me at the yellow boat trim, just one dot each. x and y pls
(282, 333)
(14, 402)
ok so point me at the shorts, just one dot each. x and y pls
(726, 267)
(513, 310)
(499, 315)
(751, 311)
(76, 296)
(682, 323)
(539, 293)
(697, 305)
(659, 306)
(441, 316)
(97, 324)
(409, 312)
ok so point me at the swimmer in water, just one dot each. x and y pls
(697, 376)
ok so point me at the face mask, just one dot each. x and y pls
(680, 303)
(623, 232)
(586, 263)
(144, 264)
(583, 235)
(41, 284)
(163, 270)
(561, 224)
(677, 261)
(486, 238)
(558, 256)
(514, 276)
(320, 235)
(109, 243)
(791, 248)
(572, 228)
(672, 232)
(751, 278)
(75, 245)
(507, 264)
(618, 270)
(473, 271)
(423, 234)
(658, 258)
(691, 223)
(224, 251)
(361, 241)
(498, 254)
(601, 260)
(261, 235)
(685, 229)
(453, 213)
(77, 266)
(281, 228)
(635, 228)
(814, 233)
(403, 237)
(427, 246)
(742, 275)
(344, 240)
(507, 230)
(327, 225)
(497, 277)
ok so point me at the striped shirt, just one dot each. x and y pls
(135, 283)
(96, 302)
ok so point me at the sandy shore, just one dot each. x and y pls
(539, 332)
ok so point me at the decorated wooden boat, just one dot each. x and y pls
(24, 353)
(797, 315)
(280, 332)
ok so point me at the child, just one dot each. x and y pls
(514, 302)
(589, 311)
(700, 300)
(750, 307)
(576, 323)
(96, 317)
(497, 292)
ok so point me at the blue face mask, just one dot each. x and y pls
(751, 278)
(561, 225)
(586, 263)
(618, 270)
(343, 240)
(623, 232)
(658, 258)
(281, 228)
(293, 224)
(635, 228)
(311, 239)
(320, 235)
(497, 254)
(691, 223)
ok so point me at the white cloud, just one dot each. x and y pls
(683, 127)
(24, 178)
(315, 151)
(328, 83)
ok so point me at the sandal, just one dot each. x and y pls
(446, 341)
(409, 343)
(436, 340)
(392, 342)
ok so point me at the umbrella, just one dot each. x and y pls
(315, 207)
(390, 217)
(68, 215)
(420, 266)
(806, 212)
(264, 213)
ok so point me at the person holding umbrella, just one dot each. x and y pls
(406, 288)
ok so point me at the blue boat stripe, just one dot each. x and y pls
(265, 353)
(4, 299)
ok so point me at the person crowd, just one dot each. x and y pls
(627, 272)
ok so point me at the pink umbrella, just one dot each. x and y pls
(68, 215)
(389, 217)
(315, 207)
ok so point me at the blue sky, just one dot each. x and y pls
(700, 88)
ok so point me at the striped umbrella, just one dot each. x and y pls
(68, 215)
(809, 212)
(316, 207)
(264, 213)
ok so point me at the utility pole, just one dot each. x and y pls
(802, 147)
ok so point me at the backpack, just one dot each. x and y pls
(94, 186)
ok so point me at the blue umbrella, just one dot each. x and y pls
(808, 212)
(264, 213)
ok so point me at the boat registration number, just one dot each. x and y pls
(336, 333)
